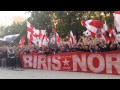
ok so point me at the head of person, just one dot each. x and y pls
(104, 46)
(79, 46)
(92, 46)
(96, 48)
(86, 47)
(100, 44)
(112, 47)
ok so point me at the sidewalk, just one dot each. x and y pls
(44, 74)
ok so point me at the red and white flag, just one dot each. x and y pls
(55, 38)
(22, 41)
(45, 40)
(116, 15)
(87, 33)
(92, 25)
(72, 38)
(105, 27)
(58, 38)
(112, 35)
(30, 32)
(42, 37)
(105, 38)
(37, 33)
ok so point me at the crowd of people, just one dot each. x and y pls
(10, 55)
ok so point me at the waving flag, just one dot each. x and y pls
(9, 38)
(22, 41)
(92, 25)
(72, 38)
(45, 40)
(58, 38)
(105, 38)
(42, 37)
(55, 38)
(116, 15)
(30, 32)
(87, 33)
(105, 27)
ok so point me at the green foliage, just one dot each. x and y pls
(15, 28)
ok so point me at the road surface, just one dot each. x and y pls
(45, 74)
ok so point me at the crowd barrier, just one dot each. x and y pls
(102, 63)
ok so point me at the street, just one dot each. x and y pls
(45, 74)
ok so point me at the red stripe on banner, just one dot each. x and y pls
(101, 63)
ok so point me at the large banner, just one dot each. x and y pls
(102, 63)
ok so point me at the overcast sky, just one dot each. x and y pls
(14, 13)
(6, 16)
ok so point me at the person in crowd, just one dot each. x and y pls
(97, 49)
(79, 48)
(27, 50)
(87, 48)
(62, 49)
(8, 57)
(41, 50)
(67, 48)
(12, 59)
(105, 48)
(3, 57)
(92, 48)
(18, 60)
(118, 47)
(74, 48)
(0, 56)
(34, 50)
(113, 47)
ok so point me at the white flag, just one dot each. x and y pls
(116, 15)
(105, 27)
(9, 38)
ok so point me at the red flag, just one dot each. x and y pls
(21, 42)
(83, 22)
